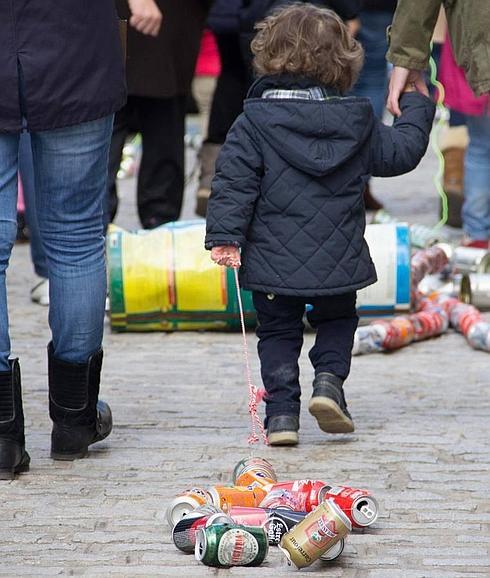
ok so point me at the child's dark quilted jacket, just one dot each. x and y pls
(289, 187)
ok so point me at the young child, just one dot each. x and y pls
(287, 204)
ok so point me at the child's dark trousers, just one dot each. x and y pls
(280, 332)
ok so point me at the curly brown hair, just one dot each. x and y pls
(309, 41)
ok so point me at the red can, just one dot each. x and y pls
(359, 506)
(298, 495)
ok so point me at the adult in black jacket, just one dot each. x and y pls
(288, 193)
(61, 78)
(159, 76)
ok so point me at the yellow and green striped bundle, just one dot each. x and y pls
(164, 280)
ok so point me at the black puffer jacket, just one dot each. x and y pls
(289, 186)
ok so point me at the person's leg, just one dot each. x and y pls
(231, 88)
(161, 177)
(335, 320)
(9, 147)
(70, 167)
(119, 134)
(227, 104)
(13, 457)
(40, 291)
(476, 206)
(280, 332)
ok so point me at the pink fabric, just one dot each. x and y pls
(20, 198)
(459, 95)
(208, 61)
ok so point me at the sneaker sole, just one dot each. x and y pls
(283, 438)
(329, 416)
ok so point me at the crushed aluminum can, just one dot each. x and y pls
(478, 335)
(297, 495)
(224, 497)
(226, 545)
(470, 260)
(315, 535)
(476, 290)
(275, 521)
(399, 332)
(184, 532)
(186, 502)
(254, 471)
(369, 339)
(358, 505)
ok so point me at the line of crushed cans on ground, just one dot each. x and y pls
(458, 275)
(234, 525)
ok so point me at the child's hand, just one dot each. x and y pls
(227, 255)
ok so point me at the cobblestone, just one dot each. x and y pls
(179, 402)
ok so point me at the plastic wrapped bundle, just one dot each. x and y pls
(164, 280)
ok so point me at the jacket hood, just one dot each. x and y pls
(314, 136)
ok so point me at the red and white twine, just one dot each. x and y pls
(253, 392)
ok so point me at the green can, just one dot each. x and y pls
(225, 545)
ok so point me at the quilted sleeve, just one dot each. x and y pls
(398, 149)
(235, 187)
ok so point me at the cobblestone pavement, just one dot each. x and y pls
(179, 401)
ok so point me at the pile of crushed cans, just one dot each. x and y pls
(234, 525)
(448, 285)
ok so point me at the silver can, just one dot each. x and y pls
(475, 289)
(470, 260)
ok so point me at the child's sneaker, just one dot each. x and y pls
(282, 430)
(328, 404)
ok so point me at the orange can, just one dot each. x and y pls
(224, 497)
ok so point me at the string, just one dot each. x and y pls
(438, 177)
(255, 421)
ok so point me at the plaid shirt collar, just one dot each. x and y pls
(315, 93)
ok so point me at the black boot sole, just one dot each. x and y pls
(69, 457)
(22, 467)
(330, 416)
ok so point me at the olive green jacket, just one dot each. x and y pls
(469, 30)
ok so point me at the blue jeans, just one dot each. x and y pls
(476, 206)
(373, 79)
(70, 170)
(26, 170)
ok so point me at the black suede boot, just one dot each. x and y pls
(328, 404)
(13, 456)
(282, 430)
(79, 417)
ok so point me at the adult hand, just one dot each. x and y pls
(400, 77)
(227, 255)
(145, 16)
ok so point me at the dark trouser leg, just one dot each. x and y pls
(335, 320)
(119, 134)
(161, 177)
(231, 88)
(280, 332)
